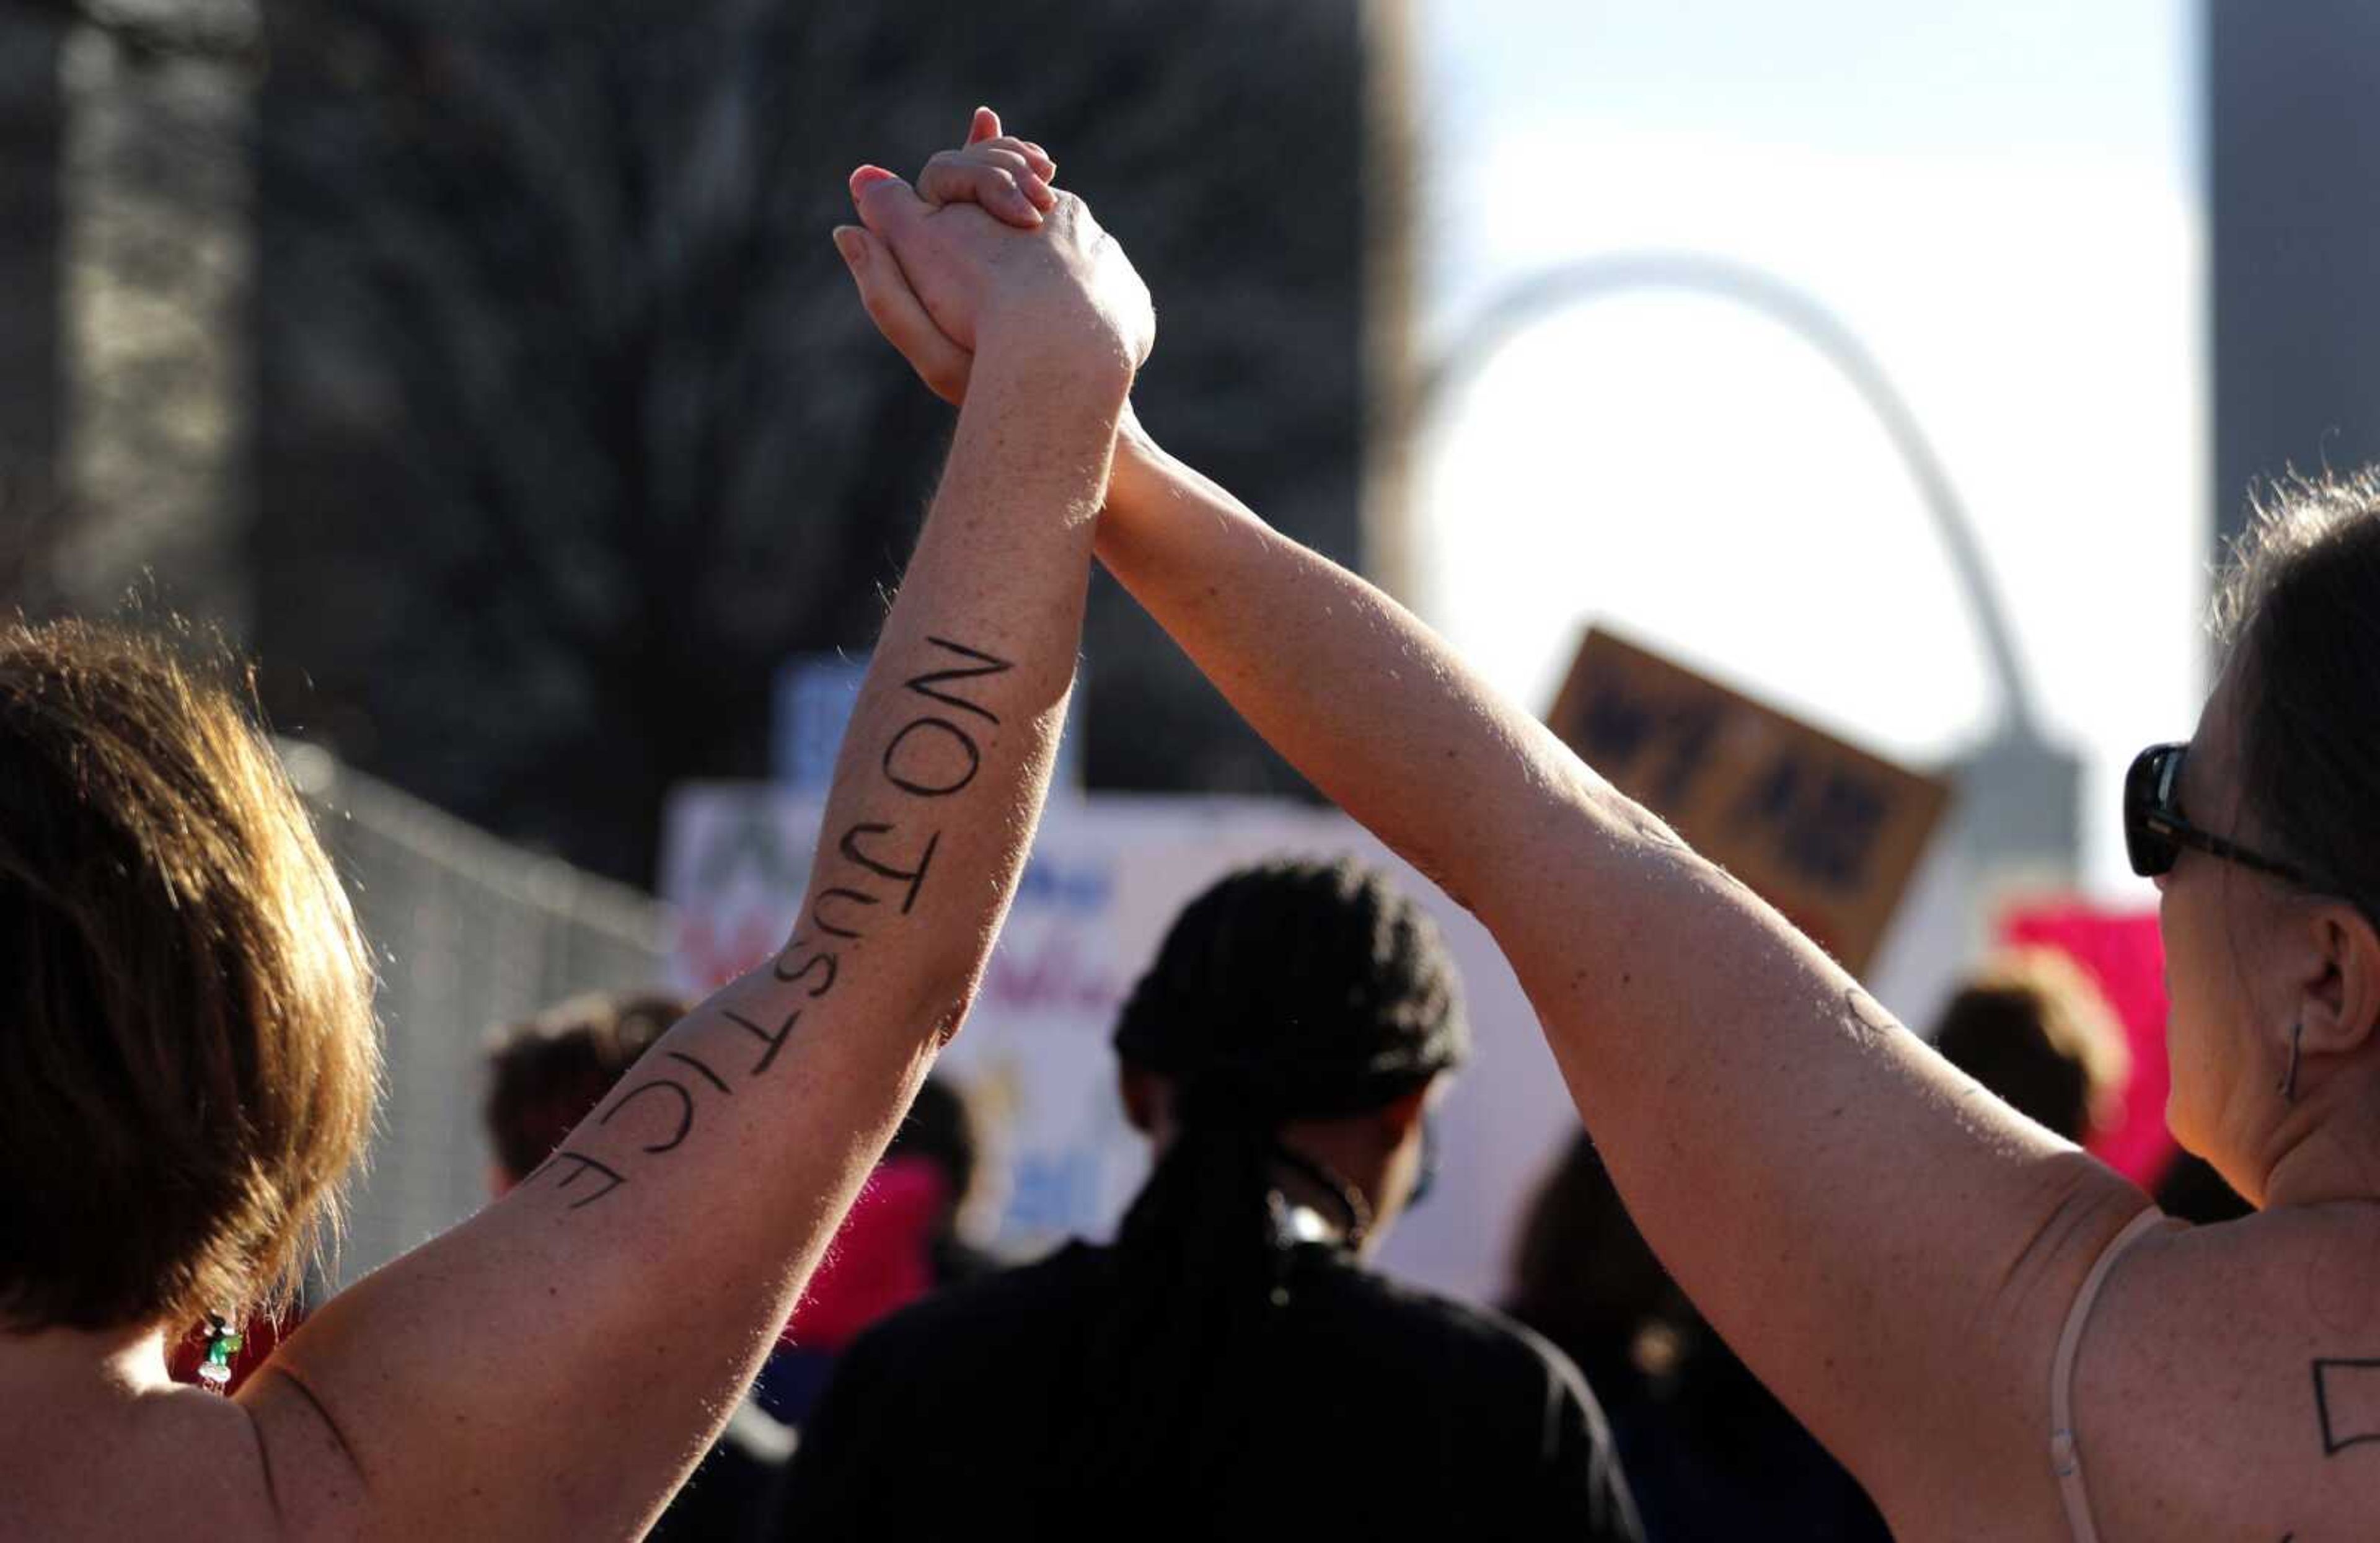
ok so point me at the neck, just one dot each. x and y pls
(40, 1368)
(1303, 1190)
(2327, 1149)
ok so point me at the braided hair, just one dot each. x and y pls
(1288, 991)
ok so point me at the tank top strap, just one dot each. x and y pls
(2065, 1453)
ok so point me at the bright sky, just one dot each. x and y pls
(2003, 202)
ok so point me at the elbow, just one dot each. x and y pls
(944, 992)
(947, 1012)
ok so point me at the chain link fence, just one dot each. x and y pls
(468, 934)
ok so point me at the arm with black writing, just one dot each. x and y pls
(553, 1367)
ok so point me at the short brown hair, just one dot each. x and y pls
(2038, 1031)
(188, 1058)
(549, 1073)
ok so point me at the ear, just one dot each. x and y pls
(2340, 1006)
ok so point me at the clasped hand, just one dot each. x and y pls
(984, 252)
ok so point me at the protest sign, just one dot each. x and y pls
(1107, 875)
(1823, 831)
(2123, 952)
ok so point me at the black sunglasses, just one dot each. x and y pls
(2155, 832)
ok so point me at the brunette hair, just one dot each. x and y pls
(2036, 1030)
(187, 1059)
(548, 1073)
(2298, 608)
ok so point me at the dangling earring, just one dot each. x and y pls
(2288, 1088)
(222, 1343)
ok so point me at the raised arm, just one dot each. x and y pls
(552, 1367)
(1886, 1244)
(1890, 1248)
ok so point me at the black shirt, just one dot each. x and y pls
(732, 1495)
(1377, 1409)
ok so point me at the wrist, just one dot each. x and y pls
(1076, 350)
(1136, 476)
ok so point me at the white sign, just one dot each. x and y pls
(1107, 876)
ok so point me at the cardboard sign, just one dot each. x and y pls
(1823, 831)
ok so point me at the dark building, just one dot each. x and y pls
(31, 151)
(569, 431)
(2293, 154)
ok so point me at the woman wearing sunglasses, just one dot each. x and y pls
(1996, 1332)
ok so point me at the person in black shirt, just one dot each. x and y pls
(1229, 1367)
(1710, 1452)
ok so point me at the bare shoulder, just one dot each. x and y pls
(2229, 1382)
(181, 1466)
(318, 1486)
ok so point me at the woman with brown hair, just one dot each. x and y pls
(187, 1058)
(1996, 1332)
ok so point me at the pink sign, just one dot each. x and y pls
(2123, 952)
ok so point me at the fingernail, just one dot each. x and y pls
(848, 242)
(869, 176)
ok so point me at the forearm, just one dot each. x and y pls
(1364, 700)
(1830, 1195)
(637, 1278)
(941, 773)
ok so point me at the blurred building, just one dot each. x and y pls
(2293, 153)
(31, 154)
(569, 431)
(486, 367)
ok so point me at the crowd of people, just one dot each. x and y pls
(1282, 1053)
(1820, 1277)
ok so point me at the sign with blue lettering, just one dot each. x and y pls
(1822, 829)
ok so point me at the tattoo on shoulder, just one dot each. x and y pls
(2346, 1403)
(933, 757)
